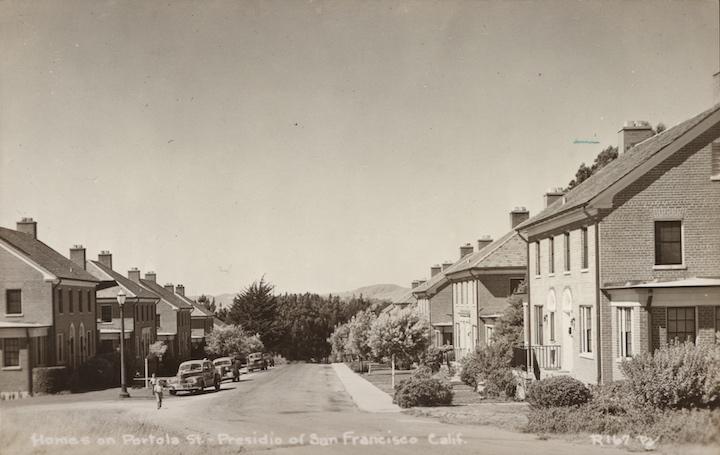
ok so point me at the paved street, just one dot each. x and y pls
(305, 409)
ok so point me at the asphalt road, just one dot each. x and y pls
(303, 408)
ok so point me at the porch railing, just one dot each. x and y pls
(546, 357)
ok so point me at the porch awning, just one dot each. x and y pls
(695, 282)
(22, 329)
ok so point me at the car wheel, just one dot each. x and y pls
(173, 392)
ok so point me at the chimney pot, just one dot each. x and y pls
(170, 287)
(633, 132)
(484, 241)
(518, 215)
(134, 274)
(435, 269)
(77, 255)
(151, 276)
(27, 226)
(415, 284)
(105, 258)
(180, 290)
(465, 250)
(446, 265)
(552, 195)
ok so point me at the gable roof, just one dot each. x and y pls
(406, 298)
(44, 256)
(626, 162)
(507, 251)
(127, 283)
(170, 297)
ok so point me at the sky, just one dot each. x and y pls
(326, 145)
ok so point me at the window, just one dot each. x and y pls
(586, 329)
(515, 284)
(157, 320)
(715, 165)
(668, 243)
(13, 301)
(489, 334)
(89, 344)
(11, 352)
(90, 302)
(71, 304)
(539, 325)
(681, 324)
(624, 335)
(584, 241)
(566, 248)
(537, 258)
(60, 300)
(106, 313)
(60, 348)
(551, 321)
(551, 255)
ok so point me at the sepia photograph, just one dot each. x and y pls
(360, 226)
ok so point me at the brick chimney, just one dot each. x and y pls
(465, 250)
(134, 274)
(151, 276)
(484, 241)
(632, 133)
(518, 215)
(446, 265)
(105, 258)
(77, 255)
(170, 287)
(552, 195)
(435, 269)
(28, 226)
(180, 290)
(415, 284)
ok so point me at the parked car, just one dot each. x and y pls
(255, 361)
(269, 359)
(224, 367)
(194, 376)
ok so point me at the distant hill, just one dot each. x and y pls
(378, 292)
(387, 292)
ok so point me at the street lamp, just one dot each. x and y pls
(123, 388)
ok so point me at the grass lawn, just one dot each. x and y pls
(468, 406)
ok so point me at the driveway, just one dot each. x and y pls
(298, 408)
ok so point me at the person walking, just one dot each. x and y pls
(157, 390)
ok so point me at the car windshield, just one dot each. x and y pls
(190, 366)
(223, 362)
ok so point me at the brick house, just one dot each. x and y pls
(172, 318)
(201, 322)
(434, 301)
(48, 309)
(404, 301)
(482, 282)
(630, 258)
(140, 311)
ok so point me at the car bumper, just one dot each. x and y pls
(184, 387)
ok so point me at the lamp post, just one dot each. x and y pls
(123, 388)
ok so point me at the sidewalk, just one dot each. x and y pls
(365, 395)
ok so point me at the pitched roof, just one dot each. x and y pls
(44, 256)
(618, 168)
(166, 295)
(127, 283)
(406, 298)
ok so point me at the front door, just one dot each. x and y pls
(567, 342)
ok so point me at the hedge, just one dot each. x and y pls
(50, 379)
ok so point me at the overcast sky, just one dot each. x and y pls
(327, 145)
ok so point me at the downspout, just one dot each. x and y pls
(52, 342)
(648, 304)
(30, 362)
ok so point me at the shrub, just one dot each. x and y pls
(97, 372)
(420, 390)
(432, 358)
(359, 366)
(680, 375)
(491, 367)
(50, 379)
(557, 391)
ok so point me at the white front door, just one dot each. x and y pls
(567, 342)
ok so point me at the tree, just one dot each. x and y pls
(584, 172)
(232, 341)
(338, 342)
(358, 332)
(403, 336)
(255, 309)
(209, 303)
(660, 128)
(509, 327)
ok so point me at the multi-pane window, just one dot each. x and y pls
(566, 248)
(551, 255)
(106, 313)
(157, 320)
(586, 329)
(60, 347)
(537, 258)
(668, 243)
(489, 334)
(624, 334)
(681, 324)
(13, 301)
(71, 304)
(551, 323)
(89, 342)
(11, 352)
(539, 325)
(584, 241)
(60, 300)
(89, 300)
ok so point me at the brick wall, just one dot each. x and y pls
(441, 306)
(81, 319)
(16, 380)
(706, 324)
(659, 326)
(36, 293)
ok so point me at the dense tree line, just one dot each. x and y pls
(296, 326)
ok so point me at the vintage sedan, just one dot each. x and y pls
(194, 376)
(224, 367)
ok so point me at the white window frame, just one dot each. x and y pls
(489, 334)
(682, 265)
(625, 321)
(2, 359)
(586, 326)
